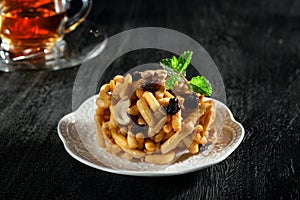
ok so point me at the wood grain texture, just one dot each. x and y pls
(255, 44)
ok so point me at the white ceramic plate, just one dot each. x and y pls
(76, 130)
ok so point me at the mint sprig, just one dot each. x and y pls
(201, 85)
(178, 65)
(176, 69)
(184, 60)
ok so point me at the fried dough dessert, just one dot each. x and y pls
(137, 118)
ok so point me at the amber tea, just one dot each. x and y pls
(27, 26)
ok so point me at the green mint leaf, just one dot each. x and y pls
(201, 85)
(178, 65)
(174, 61)
(171, 81)
(166, 62)
(169, 70)
(183, 61)
(170, 62)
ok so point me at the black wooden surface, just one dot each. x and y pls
(255, 44)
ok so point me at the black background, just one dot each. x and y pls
(255, 44)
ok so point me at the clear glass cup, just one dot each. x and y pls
(32, 33)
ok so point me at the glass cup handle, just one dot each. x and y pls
(77, 19)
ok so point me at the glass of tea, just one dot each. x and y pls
(32, 32)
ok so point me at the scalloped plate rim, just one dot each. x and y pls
(152, 173)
